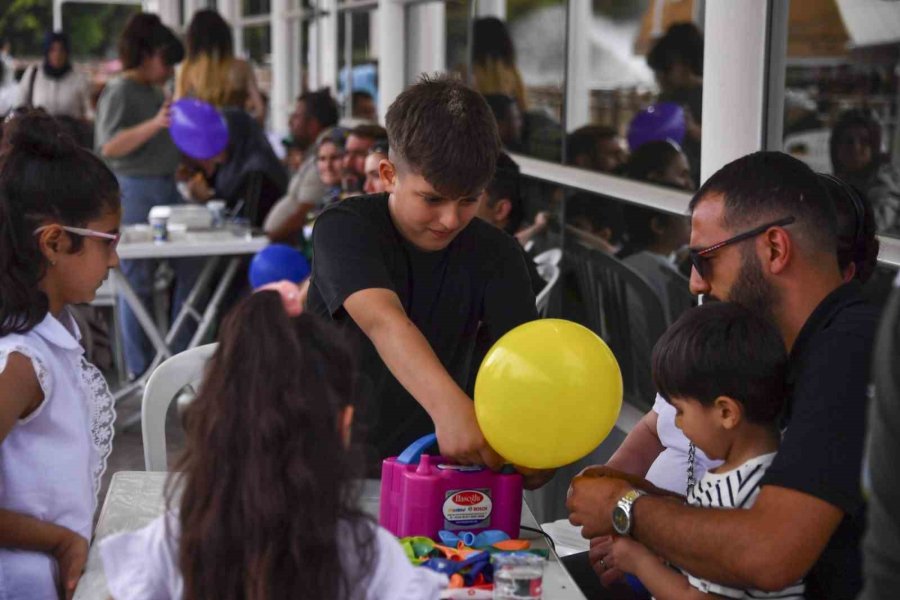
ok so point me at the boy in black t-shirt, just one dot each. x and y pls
(414, 274)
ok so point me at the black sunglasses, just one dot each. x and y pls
(698, 255)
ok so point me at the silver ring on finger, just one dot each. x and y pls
(603, 564)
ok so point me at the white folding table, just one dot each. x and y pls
(213, 245)
(136, 497)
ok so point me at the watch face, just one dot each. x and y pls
(620, 520)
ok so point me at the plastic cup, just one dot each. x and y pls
(518, 576)
(240, 227)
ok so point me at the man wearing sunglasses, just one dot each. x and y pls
(764, 236)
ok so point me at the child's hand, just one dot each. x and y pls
(460, 438)
(163, 117)
(627, 554)
(598, 555)
(70, 552)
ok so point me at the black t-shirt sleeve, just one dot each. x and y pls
(508, 298)
(821, 452)
(347, 257)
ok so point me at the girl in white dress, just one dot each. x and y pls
(59, 224)
(265, 506)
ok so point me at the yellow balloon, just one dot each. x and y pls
(547, 393)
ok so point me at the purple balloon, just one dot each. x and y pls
(198, 129)
(661, 121)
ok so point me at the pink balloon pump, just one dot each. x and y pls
(423, 494)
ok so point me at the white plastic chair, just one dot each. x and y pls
(550, 274)
(553, 256)
(164, 384)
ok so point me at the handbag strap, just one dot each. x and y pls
(29, 100)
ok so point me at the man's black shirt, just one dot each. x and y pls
(822, 448)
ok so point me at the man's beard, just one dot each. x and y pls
(752, 290)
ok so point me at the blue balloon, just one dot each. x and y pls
(662, 121)
(198, 129)
(277, 262)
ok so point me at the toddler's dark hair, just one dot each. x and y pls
(723, 349)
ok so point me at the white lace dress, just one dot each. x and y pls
(51, 461)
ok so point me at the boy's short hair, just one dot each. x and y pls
(723, 349)
(145, 34)
(445, 132)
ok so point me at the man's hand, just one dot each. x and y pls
(591, 500)
(635, 480)
(71, 554)
(460, 438)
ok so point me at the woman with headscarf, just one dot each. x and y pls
(54, 85)
(247, 174)
(856, 158)
(212, 73)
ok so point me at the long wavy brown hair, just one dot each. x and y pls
(265, 476)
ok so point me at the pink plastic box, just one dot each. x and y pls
(422, 494)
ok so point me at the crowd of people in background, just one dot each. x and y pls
(340, 177)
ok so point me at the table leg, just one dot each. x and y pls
(212, 308)
(189, 309)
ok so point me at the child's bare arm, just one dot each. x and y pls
(20, 395)
(662, 581)
(20, 392)
(409, 357)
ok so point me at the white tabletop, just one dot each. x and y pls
(137, 242)
(136, 497)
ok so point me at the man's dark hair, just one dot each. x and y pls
(445, 132)
(321, 106)
(143, 35)
(585, 140)
(505, 185)
(369, 131)
(682, 42)
(766, 186)
(723, 349)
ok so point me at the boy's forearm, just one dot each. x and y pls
(409, 357)
(28, 533)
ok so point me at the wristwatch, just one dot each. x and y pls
(621, 513)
